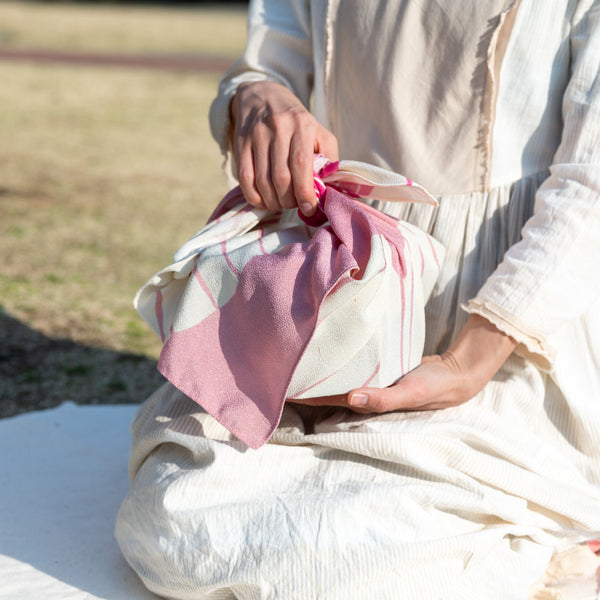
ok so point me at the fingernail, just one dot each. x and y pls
(307, 208)
(358, 400)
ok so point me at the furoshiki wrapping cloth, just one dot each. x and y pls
(258, 308)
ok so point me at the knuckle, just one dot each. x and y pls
(281, 179)
(276, 120)
(329, 137)
(303, 117)
(256, 202)
(252, 198)
(271, 203)
(250, 195)
(383, 406)
(376, 403)
(300, 160)
(262, 181)
(420, 394)
(245, 176)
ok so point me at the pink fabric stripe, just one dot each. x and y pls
(314, 385)
(158, 309)
(320, 188)
(437, 262)
(329, 168)
(357, 190)
(310, 387)
(412, 314)
(402, 313)
(205, 287)
(228, 260)
(260, 241)
(368, 381)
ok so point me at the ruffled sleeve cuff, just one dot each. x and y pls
(532, 345)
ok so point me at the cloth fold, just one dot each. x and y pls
(256, 310)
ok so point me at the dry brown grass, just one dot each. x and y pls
(104, 172)
(110, 28)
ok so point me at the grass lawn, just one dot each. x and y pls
(94, 27)
(104, 172)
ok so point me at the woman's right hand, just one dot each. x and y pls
(274, 140)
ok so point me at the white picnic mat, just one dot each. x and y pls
(63, 474)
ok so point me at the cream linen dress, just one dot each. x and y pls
(494, 106)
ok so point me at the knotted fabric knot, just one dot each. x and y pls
(320, 187)
(322, 167)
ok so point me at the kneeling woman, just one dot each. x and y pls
(464, 477)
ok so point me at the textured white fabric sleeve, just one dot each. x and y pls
(279, 48)
(553, 274)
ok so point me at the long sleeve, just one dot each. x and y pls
(553, 274)
(279, 49)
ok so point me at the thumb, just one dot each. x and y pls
(378, 400)
(326, 144)
(425, 387)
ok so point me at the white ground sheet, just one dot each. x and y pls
(63, 474)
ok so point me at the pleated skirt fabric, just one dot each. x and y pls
(464, 503)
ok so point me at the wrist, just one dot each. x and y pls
(480, 350)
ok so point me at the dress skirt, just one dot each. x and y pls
(469, 502)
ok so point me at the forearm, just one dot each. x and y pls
(478, 353)
(279, 49)
(550, 277)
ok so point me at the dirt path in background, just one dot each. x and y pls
(173, 62)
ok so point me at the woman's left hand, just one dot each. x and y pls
(439, 381)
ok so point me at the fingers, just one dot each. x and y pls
(380, 400)
(262, 170)
(280, 172)
(275, 138)
(436, 383)
(301, 168)
(245, 165)
(327, 144)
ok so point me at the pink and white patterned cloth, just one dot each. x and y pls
(258, 307)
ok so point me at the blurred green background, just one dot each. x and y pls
(104, 172)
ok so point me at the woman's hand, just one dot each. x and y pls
(274, 139)
(439, 381)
